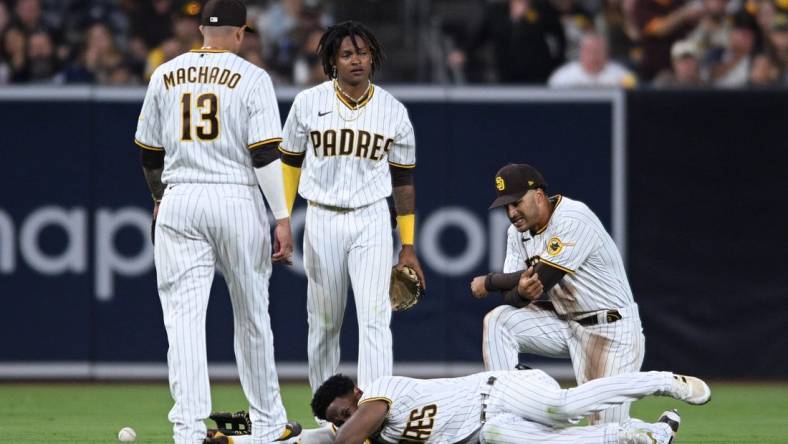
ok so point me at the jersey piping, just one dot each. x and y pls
(148, 147)
(361, 102)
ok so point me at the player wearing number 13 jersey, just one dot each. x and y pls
(209, 132)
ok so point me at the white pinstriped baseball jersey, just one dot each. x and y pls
(575, 241)
(348, 150)
(521, 406)
(428, 410)
(206, 109)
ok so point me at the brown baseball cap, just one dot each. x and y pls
(513, 181)
(225, 13)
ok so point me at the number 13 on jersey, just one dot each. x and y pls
(207, 105)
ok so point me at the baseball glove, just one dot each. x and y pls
(405, 289)
(232, 424)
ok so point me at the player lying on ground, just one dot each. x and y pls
(497, 407)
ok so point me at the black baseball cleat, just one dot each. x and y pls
(292, 429)
(672, 419)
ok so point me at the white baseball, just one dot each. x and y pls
(127, 434)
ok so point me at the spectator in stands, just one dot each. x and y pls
(576, 21)
(137, 56)
(14, 55)
(617, 22)
(120, 75)
(186, 36)
(685, 57)
(5, 17)
(42, 63)
(661, 23)
(307, 69)
(97, 58)
(276, 22)
(72, 17)
(153, 21)
(27, 14)
(778, 42)
(593, 68)
(713, 30)
(732, 69)
(282, 41)
(527, 39)
(764, 11)
(764, 71)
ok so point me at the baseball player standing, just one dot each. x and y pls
(504, 407)
(566, 293)
(209, 131)
(347, 144)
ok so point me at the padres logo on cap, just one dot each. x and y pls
(499, 183)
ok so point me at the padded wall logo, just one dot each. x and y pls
(74, 255)
(90, 243)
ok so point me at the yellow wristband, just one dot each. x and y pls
(291, 176)
(406, 223)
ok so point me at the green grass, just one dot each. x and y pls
(93, 413)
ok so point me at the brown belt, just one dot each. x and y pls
(331, 207)
(603, 317)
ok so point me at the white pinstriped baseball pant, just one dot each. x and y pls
(595, 351)
(340, 248)
(530, 407)
(199, 227)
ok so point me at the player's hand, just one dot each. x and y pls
(530, 286)
(477, 287)
(283, 242)
(408, 257)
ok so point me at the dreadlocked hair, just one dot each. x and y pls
(331, 40)
(334, 387)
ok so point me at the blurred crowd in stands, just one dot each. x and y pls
(560, 43)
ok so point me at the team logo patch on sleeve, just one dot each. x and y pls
(554, 245)
(500, 184)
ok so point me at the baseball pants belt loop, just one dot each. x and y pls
(485, 394)
(331, 207)
(599, 317)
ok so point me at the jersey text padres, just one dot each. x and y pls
(348, 148)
